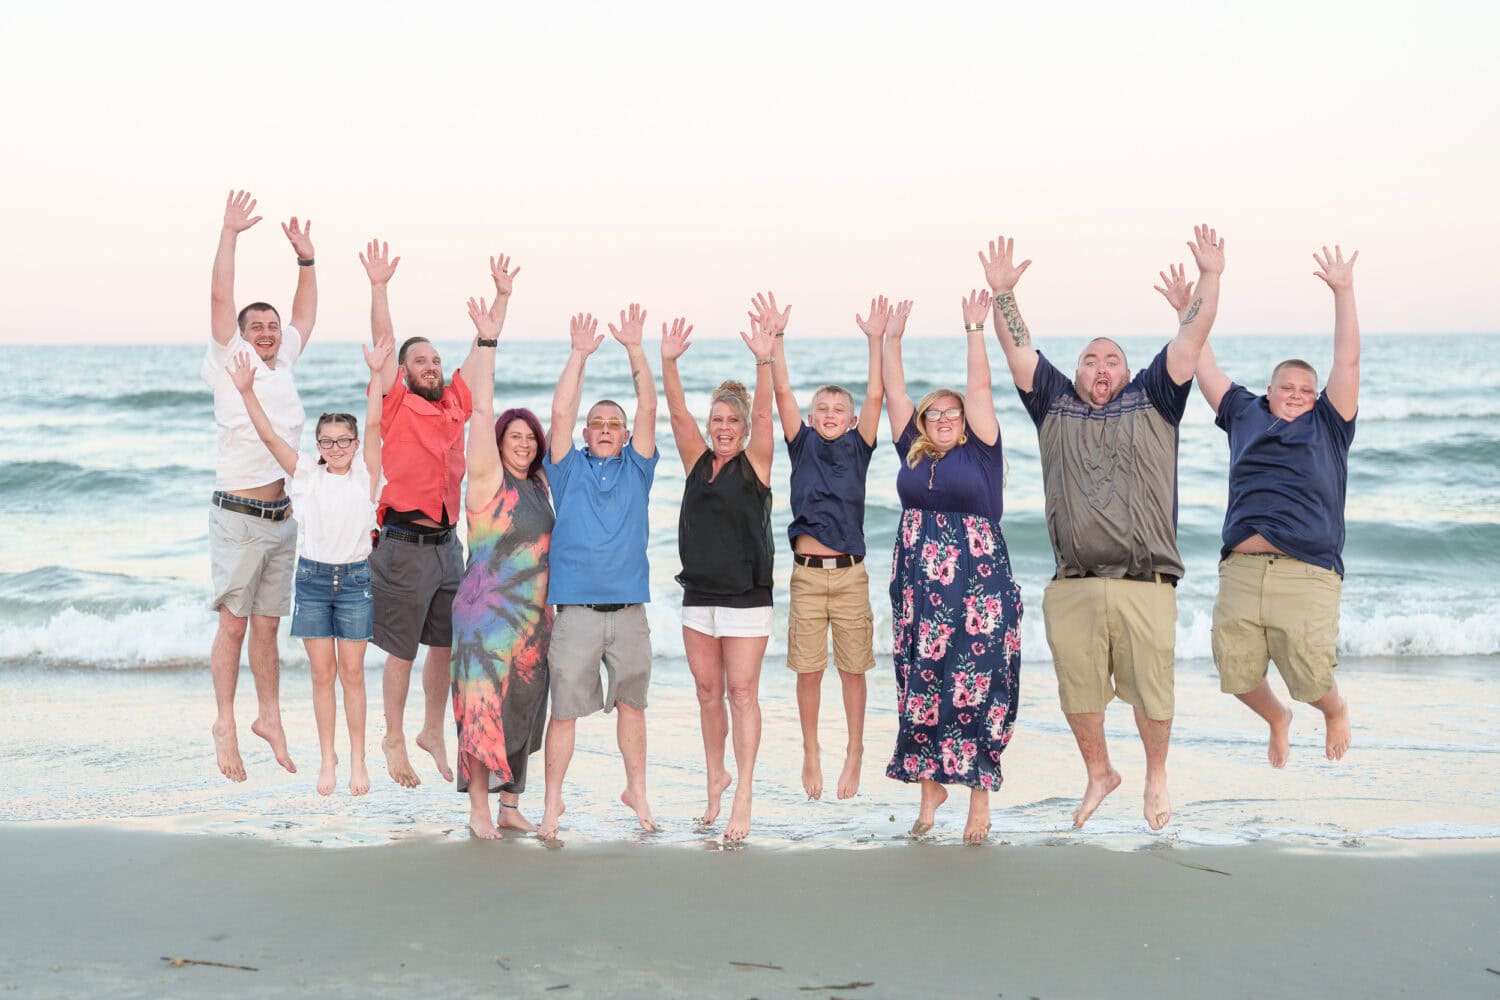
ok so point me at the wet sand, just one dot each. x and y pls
(89, 910)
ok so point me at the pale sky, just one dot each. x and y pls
(687, 155)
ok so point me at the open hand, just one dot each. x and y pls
(237, 211)
(376, 357)
(895, 320)
(675, 341)
(1000, 269)
(632, 325)
(880, 311)
(976, 307)
(242, 373)
(765, 312)
(582, 331)
(1177, 290)
(760, 340)
(1337, 273)
(487, 325)
(378, 262)
(504, 275)
(1208, 250)
(300, 237)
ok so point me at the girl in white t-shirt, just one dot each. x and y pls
(334, 494)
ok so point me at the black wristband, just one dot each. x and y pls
(487, 343)
(304, 262)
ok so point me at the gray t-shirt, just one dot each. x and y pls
(1110, 474)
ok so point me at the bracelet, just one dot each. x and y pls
(781, 334)
(304, 262)
(768, 361)
(974, 327)
(487, 343)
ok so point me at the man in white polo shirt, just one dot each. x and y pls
(252, 537)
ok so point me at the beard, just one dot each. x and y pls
(432, 393)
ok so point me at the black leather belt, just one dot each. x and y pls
(1166, 578)
(417, 537)
(278, 513)
(827, 562)
(600, 607)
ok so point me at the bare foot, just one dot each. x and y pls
(433, 744)
(636, 800)
(1093, 795)
(397, 763)
(359, 778)
(1281, 739)
(1158, 807)
(480, 825)
(1339, 731)
(273, 734)
(328, 776)
(849, 776)
(227, 748)
(511, 818)
(812, 773)
(977, 829)
(739, 817)
(551, 814)
(717, 783)
(933, 795)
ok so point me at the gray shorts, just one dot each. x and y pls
(414, 586)
(253, 561)
(581, 639)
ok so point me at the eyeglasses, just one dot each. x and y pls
(951, 413)
(343, 442)
(600, 423)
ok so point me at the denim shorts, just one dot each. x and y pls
(333, 601)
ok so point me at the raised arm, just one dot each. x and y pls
(898, 405)
(480, 363)
(979, 396)
(380, 266)
(1002, 272)
(375, 359)
(483, 454)
(1178, 292)
(763, 311)
(685, 432)
(238, 217)
(582, 331)
(1343, 380)
(1194, 323)
(643, 430)
(869, 412)
(762, 448)
(242, 373)
(305, 301)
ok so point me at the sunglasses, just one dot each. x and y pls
(612, 423)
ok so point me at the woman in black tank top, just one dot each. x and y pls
(724, 539)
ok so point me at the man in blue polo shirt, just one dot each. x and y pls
(600, 579)
(1282, 568)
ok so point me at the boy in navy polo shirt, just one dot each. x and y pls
(1282, 565)
(830, 456)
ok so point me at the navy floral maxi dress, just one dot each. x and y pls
(956, 618)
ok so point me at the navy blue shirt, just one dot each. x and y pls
(1286, 479)
(969, 479)
(828, 489)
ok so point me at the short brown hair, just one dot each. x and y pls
(1297, 363)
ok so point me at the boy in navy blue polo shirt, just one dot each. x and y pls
(1282, 568)
(830, 456)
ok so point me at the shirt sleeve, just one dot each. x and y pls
(390, 404)
(217, 359)
(908, 435)
(646, 466)
(1235, 399)
(1047, 383)
(300, 482)
(462, 395)
(1343, 430)
(1169, 398)
(798, 444)
(291, 346)
(558, 473)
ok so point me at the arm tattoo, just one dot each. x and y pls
(635, 378)
(1192, 312)
(1007, 313)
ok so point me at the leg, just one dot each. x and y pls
(509, 816)
(1088, 731)
(630, 731)
(706, 663)
(479, 801)
(557, 755)
(855, 693)
(977, 828)
(224, 660)
(436, 682)
(933, 795)
(1155, 735)
(809, 694)
(742, 662)
(351, 654)
(394, 684)
(321, 661)
(265, 668)
(1264, 703)
(1336, 720)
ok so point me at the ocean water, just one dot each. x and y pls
(106, 464)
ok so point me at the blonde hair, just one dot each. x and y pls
(923, 447)
(734, 395)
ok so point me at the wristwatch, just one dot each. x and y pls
(487, 343)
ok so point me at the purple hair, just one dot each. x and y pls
(529, 419)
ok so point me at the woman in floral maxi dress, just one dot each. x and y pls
(955, 608)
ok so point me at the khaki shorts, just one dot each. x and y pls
(253, 562)
(1276, 608)
(824, 600)
(1102, 629)
(581, 639)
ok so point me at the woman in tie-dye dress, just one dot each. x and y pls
(955, 608)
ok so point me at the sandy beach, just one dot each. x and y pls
(90, 910)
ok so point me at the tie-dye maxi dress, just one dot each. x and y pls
(501, 628)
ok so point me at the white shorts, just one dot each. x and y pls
(729, 623)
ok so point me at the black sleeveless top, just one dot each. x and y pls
(724, 536)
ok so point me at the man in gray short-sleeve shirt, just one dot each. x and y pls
(1109, 470)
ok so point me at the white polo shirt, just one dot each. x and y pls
(243, 461)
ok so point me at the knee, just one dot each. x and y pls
(352, 671)
(742, 695)
(232, 626)
(709, 693)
